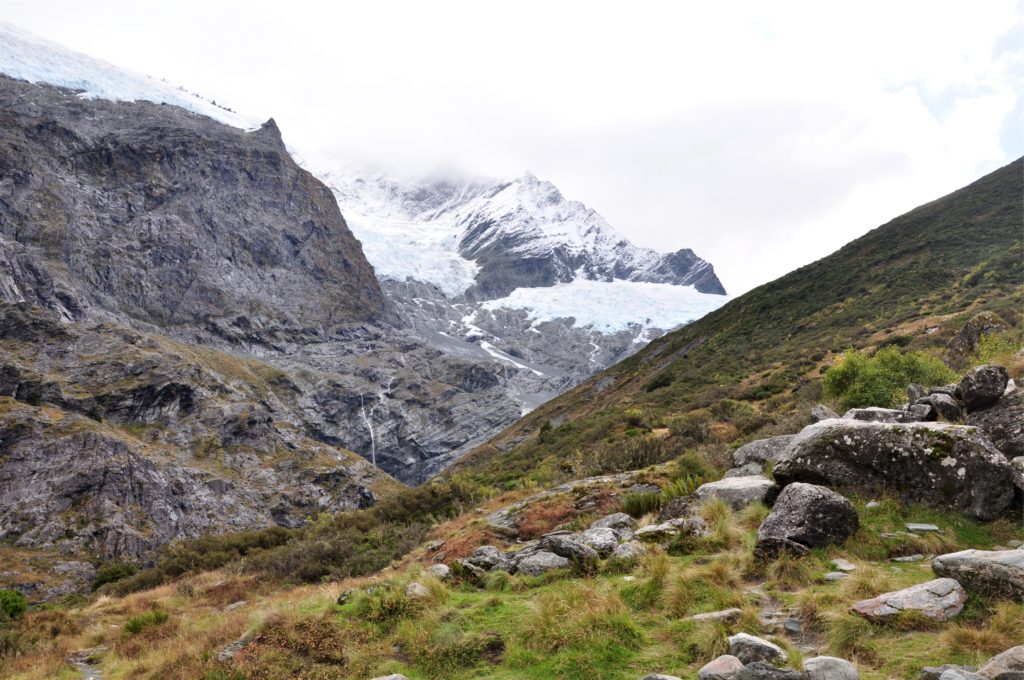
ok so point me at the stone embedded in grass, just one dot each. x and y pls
(982, 386)
(919, 528)
(541, 562)
(1012, 660)
(829, 668)
(618, 520)
(488, 557)
(654, 533)
(393, 676)
(441, 571)
(933, 463)
(761, 451)
(805, 516)
(749, 648)
(630, 550)
(660, 676)
(907, 558)
(843, 565)
(835, 576)
(941, 599)
(725, 615)
(417, 590)
(998, 573)
(738, 492)
(724, 667)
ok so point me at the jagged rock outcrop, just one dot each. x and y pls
(805, 516)
(933, 463)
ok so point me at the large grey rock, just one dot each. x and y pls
(759, 670)
(629, 550)
(618, 520)
(749, 648)
(738, 492)
(876, 414)
(933, 463)
(982, 386)
(569, 547)
(762, 450)
(945, 406)
(1005, 662)
(821, 412)
(540, 562)
(441, 571)
(724, 667)
(1003, 423)
(655, 533)
(488, 557)
(805, 516)
(941, 599)
(602, 540)
(829, 668)
(935, 672)
(997, 573)
(960, 674)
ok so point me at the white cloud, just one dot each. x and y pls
(761, 135)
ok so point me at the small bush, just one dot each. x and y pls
(110, 572)
(640, 504)
(386, 605)
(139, 623)
(860, 380)
(12, 604)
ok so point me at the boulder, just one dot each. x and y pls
(540, 562)
(1003, 423)
(821, 412)
(417, 590)
(603, 540)
(654, 533)
(941, 599)
(630, 550)
(963, 344)
(618, 520)
(724, 667)
(441, 571)
(680, 506)
(982, 386)
(933, 463)
(997, 573)
(759, 670)
(738, 492)
(805, 516)
(749, 648)
(915, 392)
(935, 672)
(725, 615)
(960, 674)
(945, 406)
(921, 412)
(843, 565)
(569, 547)
(829, 668)
(487, 557)
(1007, 662)
(877, 414)
(762, 450)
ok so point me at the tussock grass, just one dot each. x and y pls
(789, 573)
(579, 615)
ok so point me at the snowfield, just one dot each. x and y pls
(612, 306)
(24, 56)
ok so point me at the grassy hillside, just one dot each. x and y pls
(753, 367)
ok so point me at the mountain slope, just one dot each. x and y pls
(910, 281)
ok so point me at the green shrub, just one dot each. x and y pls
(12, 604)
(110, 572)
(139, 623)
(860, 380)
(639, 504)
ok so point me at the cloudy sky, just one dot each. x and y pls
(762, 135)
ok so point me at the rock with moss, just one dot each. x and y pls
(738, 492)
(940, 599)
(805, 516)
(942, 465)
(982, 386)
(750, 648)
(997, 573)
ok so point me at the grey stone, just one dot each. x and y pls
(835, 576)
(793, 627)
(941, 599)
(417, 590)
(618, 520)
(761, 451)
(982, 386)
(945, 405)
(915, 392)
(937, 464)
(541, 562)
(1003, 423)
(602, 540)
(738, 492)
(655, 532)
(724, 667)
(871, 505)
(569, 547)
(843, 565)
(876, 414)
(629, 550)
(393, 676)
(907, 558)
(935, 672)
(759, 670)
(679, 506)
(805, 516)
(660, 676)
(821, 412)
(1017, 465)
(441, 571)
(486, 557)
(830, 668)
(998, 573)
(644, 489)
(1005, 662)
(726, 615)
(959, 674)
(919, 528)
(749, 648)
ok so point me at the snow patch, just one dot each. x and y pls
(612, 306)
(27, 57)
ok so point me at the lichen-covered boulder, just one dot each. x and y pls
(602, 539)
(738, 492)
(941, 599)
(761, 450)
(936, 464)
(997, 573)
(877, 414)
(617, 520)
(944, 405)
(750, 648)
(540, 562)
(982, 386)
(1003, 423)
(805, 516)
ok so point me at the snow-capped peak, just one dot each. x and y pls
(27, 57)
